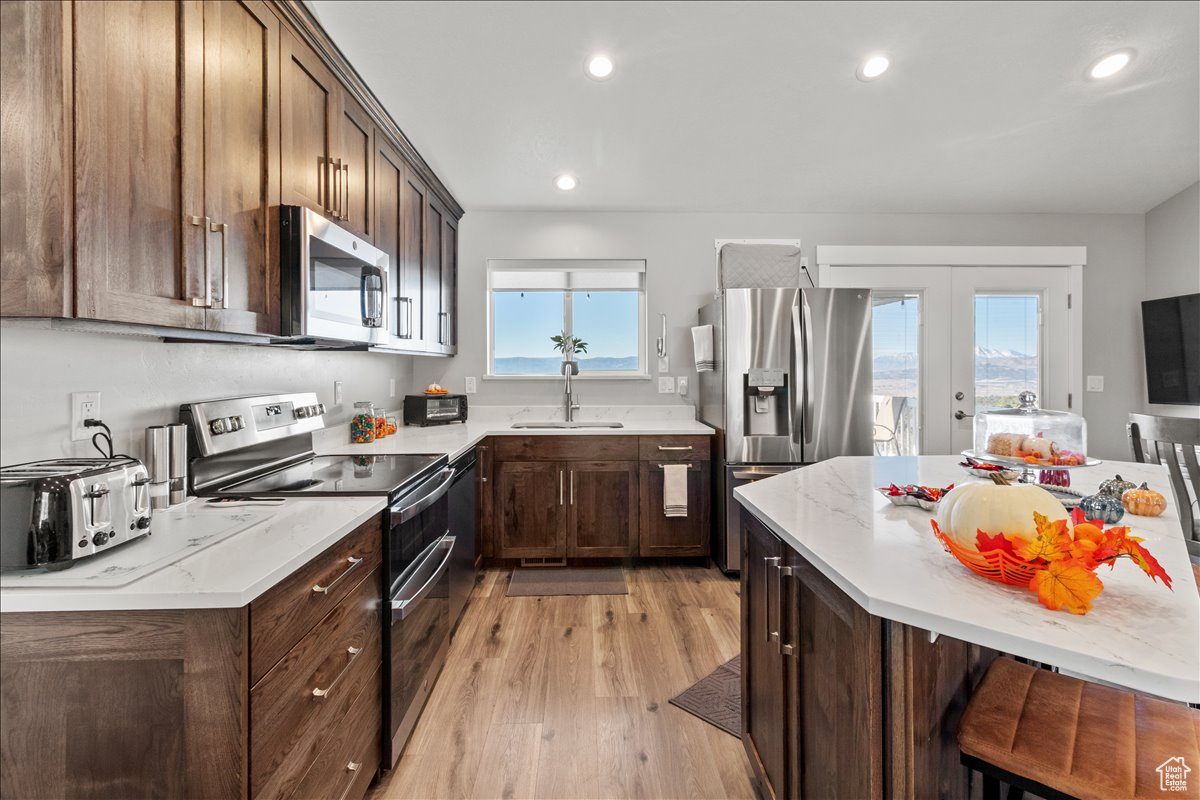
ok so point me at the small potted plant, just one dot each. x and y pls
(568, 346)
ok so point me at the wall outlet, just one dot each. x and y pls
(1095, 383)
(84, 405)
(337, 393)
(471, 386)
(682, 385)
(666, 386)
(391, 387)
(664, 363)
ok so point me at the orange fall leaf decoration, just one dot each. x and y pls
(1066, 584)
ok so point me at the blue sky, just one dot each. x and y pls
(1001, 323)
(607, 321)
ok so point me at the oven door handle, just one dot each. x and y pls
(402, 608)
(403, 513)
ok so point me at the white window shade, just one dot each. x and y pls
(566, 275)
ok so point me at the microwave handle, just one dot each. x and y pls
(371, 299)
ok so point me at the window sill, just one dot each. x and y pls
(641, 376)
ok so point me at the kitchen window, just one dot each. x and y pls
(601, 302)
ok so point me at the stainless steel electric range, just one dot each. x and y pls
(261, 447)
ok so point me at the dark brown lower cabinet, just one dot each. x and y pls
(602, 508)
(530, 498)
(661, 535)
(820, 676)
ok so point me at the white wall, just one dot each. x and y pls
(1173, 264)
(143, 381)
(678, 248)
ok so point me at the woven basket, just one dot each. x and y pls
(995, 565)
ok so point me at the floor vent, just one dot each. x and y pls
(544, 562)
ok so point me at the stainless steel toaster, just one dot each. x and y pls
(54, 513)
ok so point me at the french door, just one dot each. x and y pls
(952, 341)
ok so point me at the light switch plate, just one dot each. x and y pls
(337, 393)
(682, 385)
(472, 387)
(666, 386)
(1095, 383)
(391, 387)
(664, 363)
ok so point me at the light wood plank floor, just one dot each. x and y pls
(566, 697)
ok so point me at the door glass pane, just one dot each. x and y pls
(608, 322)
(1007, 329)
(523, 325)
(896, 347)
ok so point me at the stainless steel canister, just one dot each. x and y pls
(178, 435)
(158, 464)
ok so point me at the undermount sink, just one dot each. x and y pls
(570, 425)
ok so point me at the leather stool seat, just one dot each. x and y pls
(1078, 738)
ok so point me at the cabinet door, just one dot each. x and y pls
(763, 683)
(413, 206)
(660, 535)
(352, 161)
(835, 689)
(602, 508)
(388, 173)
(433, 329)
(35, 158)
(449, 288)
(138, 120)
(241, 163)
(530, 499)
(309, 96)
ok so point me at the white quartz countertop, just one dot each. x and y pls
(456, 438)
(1139, 633)
(227, 574)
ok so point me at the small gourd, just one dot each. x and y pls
(1116, 486)
(1144, 501)
(1105, 507)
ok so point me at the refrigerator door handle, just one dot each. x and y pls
(798, 385)
(809, 376)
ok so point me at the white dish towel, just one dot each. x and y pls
(675, 490)
(702, 343)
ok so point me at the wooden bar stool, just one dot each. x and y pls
(1061, 737)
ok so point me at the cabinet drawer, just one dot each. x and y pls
(288, 611)
(566, 448)
(674, 448)
(352, 755)
(289, 720)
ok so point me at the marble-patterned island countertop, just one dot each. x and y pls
(456, 438)
(188, 563)
(1139, 633)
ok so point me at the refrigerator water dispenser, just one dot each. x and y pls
(765, 411)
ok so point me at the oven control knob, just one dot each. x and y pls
(218, 426)
(302, 412)
(100, 538)
(320, 408)
(143, 523)
(236, 423)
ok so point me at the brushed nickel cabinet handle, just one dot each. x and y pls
(353, 653)
(204, 224)
(223, 229)
(345, 207)
(560, 487)
(770, 561)
(572, 485)
(780, 572)
(353, 768)
(337, 189)
(662, 447)
(354, 562)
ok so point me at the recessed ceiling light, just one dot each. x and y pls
(566, 182)
(873, 67)
(1111, 64)
(599, 67)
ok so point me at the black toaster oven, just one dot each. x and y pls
(434, 409)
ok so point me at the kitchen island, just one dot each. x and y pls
(862, 637)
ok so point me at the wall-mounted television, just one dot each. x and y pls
(1171, 328)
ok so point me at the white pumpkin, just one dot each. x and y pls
(993, 508)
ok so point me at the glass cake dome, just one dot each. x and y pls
(1030, 435)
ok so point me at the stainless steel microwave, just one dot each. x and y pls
(334, 286)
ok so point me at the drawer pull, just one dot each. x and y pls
(691, 467)
(684, 447)
(353, 651)
(354, 562)
(352, 768)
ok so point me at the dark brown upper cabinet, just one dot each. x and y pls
(139, 121)
(35, 159)
(433, 326)
(310, 108)
(414, 200)
(241, 164)
(352, 161)
(449, 285)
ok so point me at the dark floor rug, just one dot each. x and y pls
(541, 581)
(717, 697)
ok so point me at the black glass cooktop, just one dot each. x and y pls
(332, 475)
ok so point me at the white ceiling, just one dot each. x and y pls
(755, 107)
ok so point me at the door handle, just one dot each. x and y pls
(660, 447)
(560, 487)
(780, 572)
(223, 229)
(319, 589)
(770, 561)
(204, 224)
(335, 191)
(960, 414)
(404, 332)
(353, 651)
(572, 487)
(345, 207)
(809, 372)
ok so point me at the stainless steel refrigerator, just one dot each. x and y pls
(791, 386)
